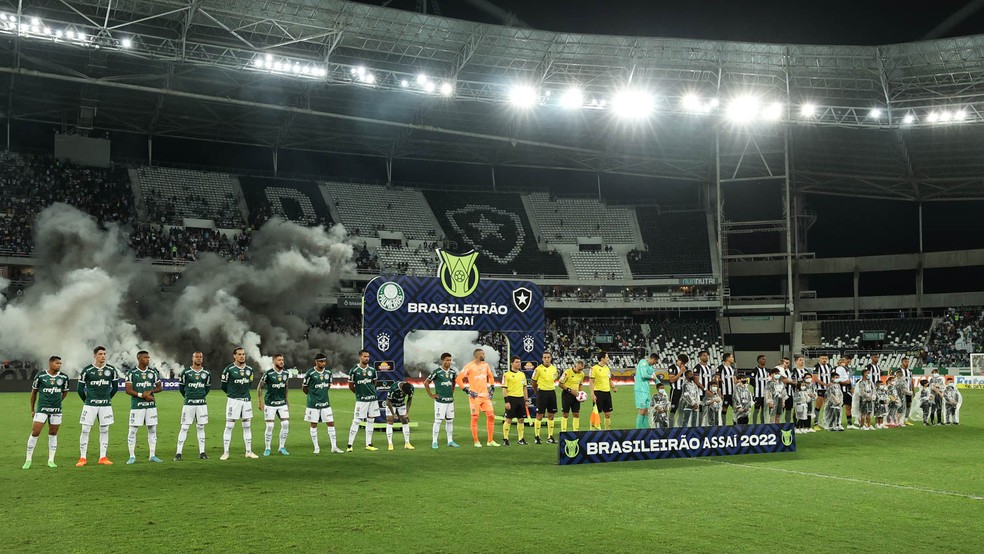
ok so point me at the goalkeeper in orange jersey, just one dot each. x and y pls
(481, 383)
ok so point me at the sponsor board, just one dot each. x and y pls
(627, 445)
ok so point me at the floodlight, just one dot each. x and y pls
(743, 109)
(691, 103)
(447, 89)
(932, 117)
(258, 62)
(35, 22)
(522, 96)
(127, 43)
(959, 115)
(404, 83)
(946, 116)
(58, 33)
(875, 113)
(633, 104)
(808, 110)
(429, 86)
(572, 98)
(773, 112)
(422, 79)
(909, 118)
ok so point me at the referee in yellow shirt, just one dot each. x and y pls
(514, 382)
(545, 384)
(571, 382)
(601, 387)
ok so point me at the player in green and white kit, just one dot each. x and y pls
(142, 383)
(272, 394)
(48, 391)
(443, 379)
(194, 385)
(97, 386)
(398, 402)
(362, 381)
(236, 378)
(317, 383)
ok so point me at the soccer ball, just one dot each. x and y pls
(581, 396)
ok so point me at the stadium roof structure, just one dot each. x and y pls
(899, 121)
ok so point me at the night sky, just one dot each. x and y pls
(862, 22)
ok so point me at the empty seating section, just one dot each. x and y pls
(171, 195)
(676, 242)
(669, 338)
(597, 265)
(899, 333)
(562, 220)
(366, 209)
(297, 201)
(495, 225)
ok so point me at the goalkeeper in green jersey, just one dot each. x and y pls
(48, 391)
(272, 395)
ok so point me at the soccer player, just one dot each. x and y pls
(194, 385)
(644, 373)
(822, 373)
(97, 386)
(362, 382)
(785, 377)
(677, 376)
(398, 403)
(742, 401)
(601, 387)
(236, 379)
(443, 379)
(727, 372)
(703, 370)
(906, 378)
(271, 393)
(761, 379)
(48, 391)
(544, 386)
(317, 383)
(571, 382)
(142, 383)
(481, 383)
(514, 382)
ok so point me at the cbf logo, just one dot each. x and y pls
(571, 448)
(383, 342)
(390, 296)
(458, 273)
(528, 343)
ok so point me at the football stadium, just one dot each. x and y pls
(442, 276)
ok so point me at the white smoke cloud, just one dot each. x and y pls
(422, 349)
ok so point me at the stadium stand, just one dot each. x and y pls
(953, 337)
(409, 261)
(494, 224)
(670, 337)
(297, 201)
(28, 184)
(170, 195)
(563, 220)
(181, 244)
(597, 265)
(367, 209)
(899, 333)
(677, 244)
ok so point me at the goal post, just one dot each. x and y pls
(977, 363)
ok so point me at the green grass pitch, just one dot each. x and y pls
(918, 489)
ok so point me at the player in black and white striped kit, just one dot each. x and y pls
(875, 373)
(676, 377)
(760, 376)
(822, 373)
(727, 373)
(907, 378)
(785, 378)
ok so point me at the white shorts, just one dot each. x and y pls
(237, 408)
(143, 416)
(443, 411)
(319, 415)
(50, 419)
(364, 410)
(194, 413)
(272, 412)
(396, 411)
(91, 413)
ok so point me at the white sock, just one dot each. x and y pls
(52, 446)
(227, 436)
(32, 441)
(284, 429)
(370, 427)
(449, 428)
(103, 440)
(182, 437)
(331, 435)
(353, 431)
(152, 440)
(84, 441)
(314, 440)
(131, 440)
(201, 438)
(389, 434)
(406, 433)
(248, 435)
(436, 431)
(268, 435)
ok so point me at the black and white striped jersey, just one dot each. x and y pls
(678, 384)
(727, 374)
(760, 377)
(823, 374)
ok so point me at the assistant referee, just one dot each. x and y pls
(545, 385)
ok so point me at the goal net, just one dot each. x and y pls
(977, 363)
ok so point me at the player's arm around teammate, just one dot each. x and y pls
(48, 392)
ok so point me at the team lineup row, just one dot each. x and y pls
(97, 385)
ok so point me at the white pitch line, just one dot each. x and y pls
(849, 479)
